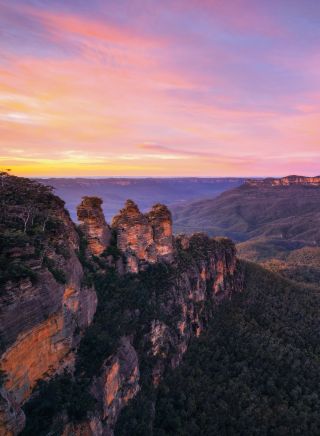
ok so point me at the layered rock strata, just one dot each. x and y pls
(143, 239)
(285, 181)
(41, 319)
(204, 272)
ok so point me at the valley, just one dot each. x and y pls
(273, 221)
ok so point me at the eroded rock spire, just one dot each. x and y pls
(93, 224)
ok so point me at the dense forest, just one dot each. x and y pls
(255, 372)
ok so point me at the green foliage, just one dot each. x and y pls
(113, 251)
(3, 376)
(60, 393)
(15, 271)
(256, 371)
(30, 222)
(126, 305)
(57, 273)
(302, 265)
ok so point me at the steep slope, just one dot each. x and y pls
(255, 371)
(143, 325)
(268, 218)
(255, 210)
(91, 316)
(302, 265)
(44, 304)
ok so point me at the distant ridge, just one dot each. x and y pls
(285, 181)
(284, 209)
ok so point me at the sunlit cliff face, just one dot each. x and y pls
(159, 88)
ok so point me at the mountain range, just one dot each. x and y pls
(267, 218)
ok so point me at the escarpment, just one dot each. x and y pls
(285, 181)
(152, 293)
(44, 306)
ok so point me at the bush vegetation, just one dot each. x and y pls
(256, 371)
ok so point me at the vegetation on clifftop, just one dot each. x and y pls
(28, 226)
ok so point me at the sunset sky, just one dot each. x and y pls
(160, 87)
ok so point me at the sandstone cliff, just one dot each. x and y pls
(143, 321)
(285, 181)
(44, 308)
(181, 298)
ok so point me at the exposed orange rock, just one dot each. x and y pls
(112, 382)
(134, 236)
(144, 238)
(118, 384)
(219, 277)
(71, 299)
(35, 354)
(94, 225)
(285, 181)
(161, 221)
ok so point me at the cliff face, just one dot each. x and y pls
(202, 282)
(144, 321)
(43, 306)
(202, 272)
(93, 225)
(285, 181)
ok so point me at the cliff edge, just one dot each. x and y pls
(96, 314)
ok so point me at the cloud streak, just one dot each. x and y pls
(160, 88)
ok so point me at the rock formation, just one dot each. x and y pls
(161, 222)
(93, 225)
(118, 383)
(205, 273)
(44, 312)
(285, 181)
(143, 239)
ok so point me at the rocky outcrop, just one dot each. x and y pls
(143, 239)
(203, 272)
(116, 385)
(44, 312)
(161, 222)
(285, 181)
(196, 292)
(43, 315)
(134, 237)
(93, 225)
(12, 418)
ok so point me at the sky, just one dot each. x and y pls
(160, 88)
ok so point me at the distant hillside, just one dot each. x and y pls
(146, 191)
(269, 219)
(289, 213)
